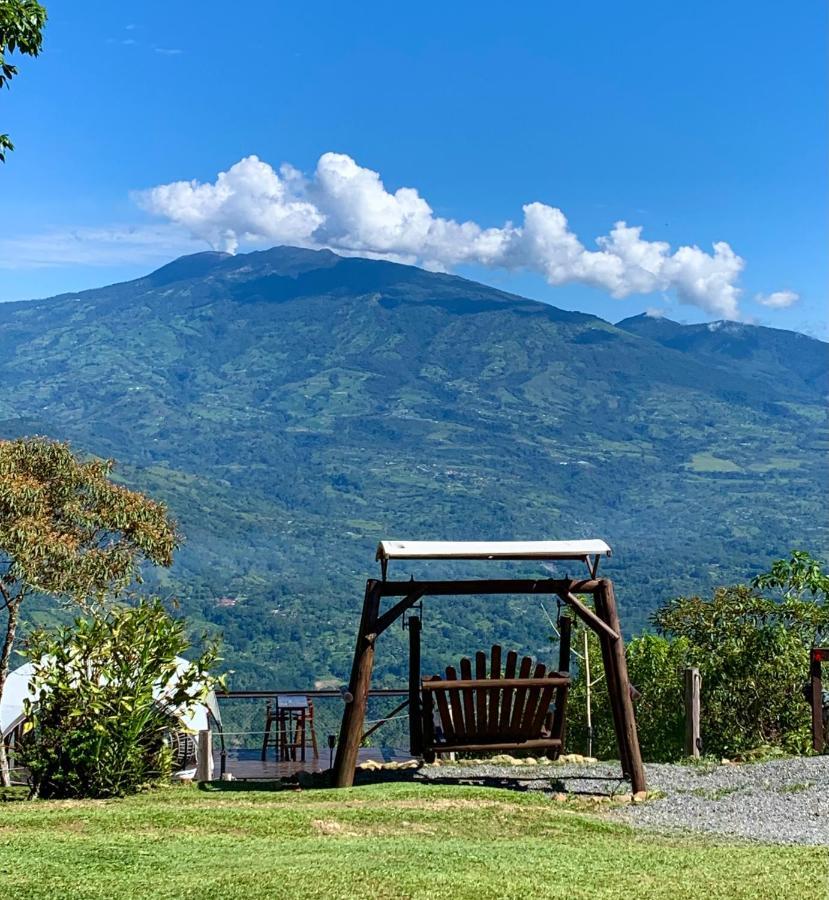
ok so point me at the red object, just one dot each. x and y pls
(820, 654)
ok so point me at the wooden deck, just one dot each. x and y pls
(246, 765)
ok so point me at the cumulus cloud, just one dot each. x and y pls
(778, 299)
(347, 208)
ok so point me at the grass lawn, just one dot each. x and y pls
(393, 840)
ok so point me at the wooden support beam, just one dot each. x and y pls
(612, 689)
(415, 707)
(354, 714)
(628, 735)
(381, 722)
(692, 710)
(394, 613)
(557, 729)
(490, 586)
(588, 616)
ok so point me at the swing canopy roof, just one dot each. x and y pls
(514, 550)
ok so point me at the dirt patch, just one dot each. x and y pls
(434, 803)
(332, 827)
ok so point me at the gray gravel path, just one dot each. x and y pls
(781, 801)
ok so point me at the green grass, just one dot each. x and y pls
(382, 841)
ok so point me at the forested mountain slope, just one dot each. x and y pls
(293, 407)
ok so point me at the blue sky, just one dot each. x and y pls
(701, 124)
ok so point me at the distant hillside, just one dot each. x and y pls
(788, 360)
(293, 407)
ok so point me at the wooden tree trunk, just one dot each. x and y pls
(12, 606)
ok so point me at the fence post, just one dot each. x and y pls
(204, 756)
(816, 697)
(692, 691)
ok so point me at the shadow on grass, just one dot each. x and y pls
(240, 786)
(574, 785)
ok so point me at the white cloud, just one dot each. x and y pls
(777, 300)
(347, 208)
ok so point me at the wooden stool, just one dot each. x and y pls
(293, 718)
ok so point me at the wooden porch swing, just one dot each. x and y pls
(515, 709)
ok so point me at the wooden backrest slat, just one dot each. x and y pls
(481, 693)
(468, 698)
(455, 705)
(542, 709)
(519, 697)
(428, 718)
(531, 703)
(506, 694)
(493, 703)
(443, 710)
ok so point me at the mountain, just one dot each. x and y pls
(786, 359)
(293, 407)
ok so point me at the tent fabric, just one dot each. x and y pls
(16, 691)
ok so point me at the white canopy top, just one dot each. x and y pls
(491, 549)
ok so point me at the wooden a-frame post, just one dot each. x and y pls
(351, 730)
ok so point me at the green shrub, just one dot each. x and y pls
(753, 655)
(97, 729)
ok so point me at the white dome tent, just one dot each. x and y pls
(192, 720)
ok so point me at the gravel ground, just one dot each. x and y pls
(782, 801)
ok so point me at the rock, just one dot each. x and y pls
(576, 759)
(504, 759)
(639, 797)
(370, 765)
(401, 764)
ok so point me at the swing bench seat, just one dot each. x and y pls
(495, 710)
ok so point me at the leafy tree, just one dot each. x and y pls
(98, 723)
(67, 530)
(795, 576)
(752, 652)
(21, 30)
